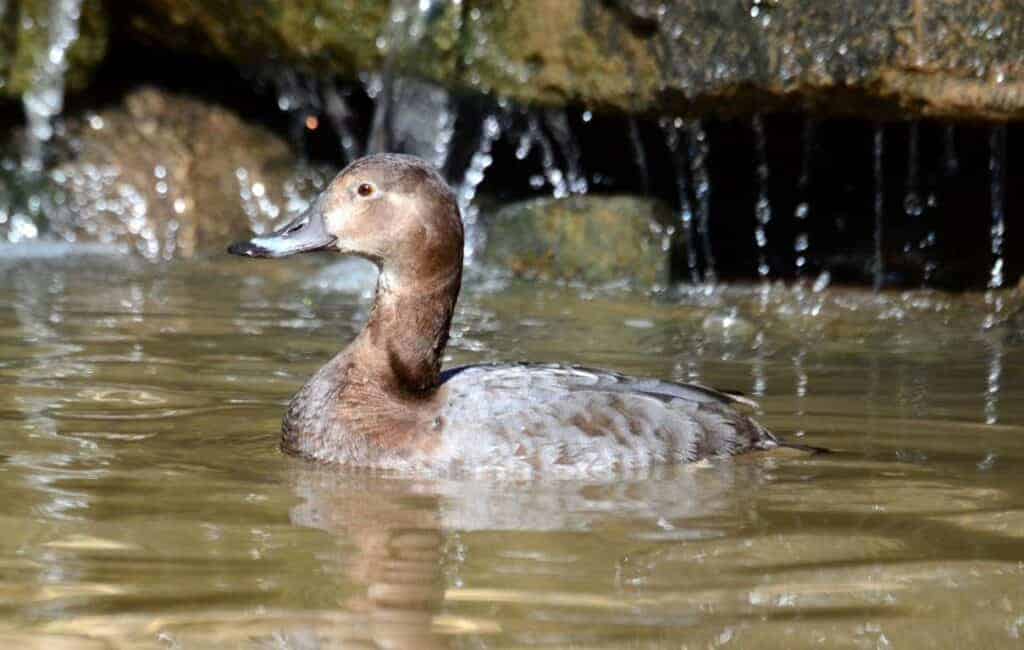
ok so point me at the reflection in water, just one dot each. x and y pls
(404, 544)
(395, 562)
(995, 374)
(147, 505)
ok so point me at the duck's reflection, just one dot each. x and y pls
(402, 543)
(395, 530)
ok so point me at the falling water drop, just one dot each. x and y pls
(912, 205)
(699, 151)
(763, 208)
(802, 242)
(879, 151)
(997, 172)
(673, 136)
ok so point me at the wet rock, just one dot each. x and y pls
(957, 58)
(170, 175)
(335, 37)
(24, 41)
(595, 239)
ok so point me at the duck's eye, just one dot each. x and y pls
(365, 190)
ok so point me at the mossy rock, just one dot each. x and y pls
(322, 37)
(24, 36)
(594, 239)
(958, 59)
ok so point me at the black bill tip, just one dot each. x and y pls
(248, 249)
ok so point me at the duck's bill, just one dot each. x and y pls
(305, 234)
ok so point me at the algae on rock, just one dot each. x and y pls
(594, 239)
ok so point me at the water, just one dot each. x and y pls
(700, 150)
(557, 122)
(490, 131)
(997, 172)
(802, 243)
(878, 158)
(44, 100)
(913, 206)
(338, 107)
(763, 207)
(673, 141)
(146, 504)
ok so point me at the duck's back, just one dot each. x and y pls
(538, 417)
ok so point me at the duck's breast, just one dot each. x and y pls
(577, 419)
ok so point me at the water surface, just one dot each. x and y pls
(145, 503)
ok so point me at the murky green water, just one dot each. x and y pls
(145, 504)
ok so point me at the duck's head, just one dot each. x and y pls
(392, 209)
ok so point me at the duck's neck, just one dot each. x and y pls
(405, 337)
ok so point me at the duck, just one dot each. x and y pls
(385, 402)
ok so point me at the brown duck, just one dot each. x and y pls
(384, 400)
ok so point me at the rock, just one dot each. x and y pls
(170, 175)
(961, 59)
(595, 239)
(328, 36)
(24, 40)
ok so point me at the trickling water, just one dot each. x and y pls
(553, 175)
(558, 123)
(490, 131)
(337, 105)
(912, 205)
(673, 135)
(418, 118)
(997, 171)
(44, 99)
(879, 152)
(410, 115)
(699, 152)
(950, 162)
(639, 155)
(802, 243)
(763, 207)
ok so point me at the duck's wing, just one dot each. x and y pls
(585, 378)
(569, 415)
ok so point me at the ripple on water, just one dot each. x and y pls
(146, 503)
